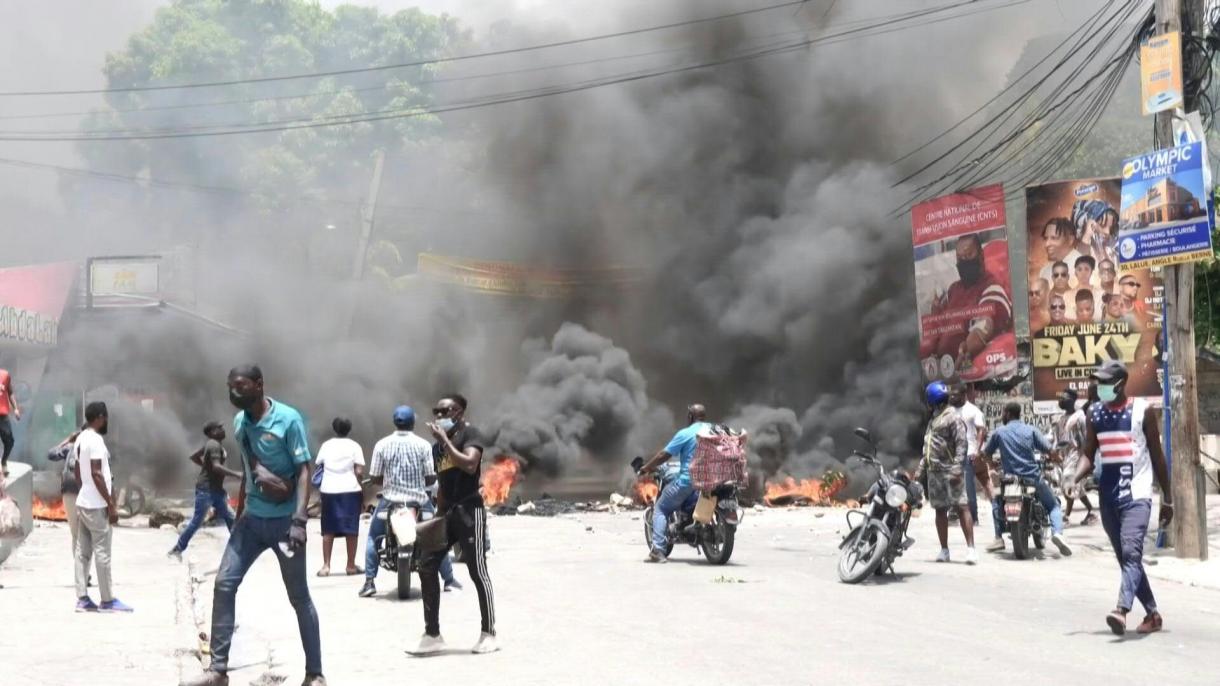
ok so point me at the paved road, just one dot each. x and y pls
(576, 605)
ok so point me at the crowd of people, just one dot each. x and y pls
(438, 480)
(1109, 437)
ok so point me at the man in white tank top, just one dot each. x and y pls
(1123, 437)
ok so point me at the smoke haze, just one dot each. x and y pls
(755, 198)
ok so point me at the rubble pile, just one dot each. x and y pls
(546, 506)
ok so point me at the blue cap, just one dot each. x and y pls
(404, 415)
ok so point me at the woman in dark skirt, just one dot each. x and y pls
(342, 462)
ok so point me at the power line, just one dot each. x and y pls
(517, 96)
(416, 63)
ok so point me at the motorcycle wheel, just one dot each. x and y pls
(669, 545)
(1020, 535)
(862, 557)
(718, 543)
(1039, 535)
(404, 577)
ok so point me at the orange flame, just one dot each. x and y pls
(646, 491)
(53, 512)
(803, 492)
(499, 478)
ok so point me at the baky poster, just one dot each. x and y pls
(1084, 306)
(1165, 217)
(962, 286)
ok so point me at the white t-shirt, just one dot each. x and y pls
(91, 446)
(339, 457)
(973, 418)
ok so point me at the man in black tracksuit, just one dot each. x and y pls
(459, 453)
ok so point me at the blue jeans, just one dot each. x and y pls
(205, 499)
(252, 536)
(1044, 494)
(377, 530)
(1126, 524)
(674, 496)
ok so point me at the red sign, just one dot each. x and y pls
(32, 300)
(962, 286)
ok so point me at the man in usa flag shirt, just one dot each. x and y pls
(1123, 436)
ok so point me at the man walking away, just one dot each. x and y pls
(96, 512)
(1070, 441)
(460, 502)
(944, 453)
(1123, 435)
(680, 493)
(8, 407)
(976, 436)
(271, 515)
(402, 465)
(1017, 442)
(209, 486)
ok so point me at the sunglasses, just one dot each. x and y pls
(1130, 284)
(441, 411)
(1059, 275)
(1036, 294)
(1058, 307)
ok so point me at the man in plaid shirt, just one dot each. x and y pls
(402, 465)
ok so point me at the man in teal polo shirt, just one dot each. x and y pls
(270, 516)
(679, 493)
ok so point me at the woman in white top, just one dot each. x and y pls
(342, 463)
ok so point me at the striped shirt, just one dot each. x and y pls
(403, 459)
(1126, 465)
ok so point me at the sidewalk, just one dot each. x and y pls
(46, 642)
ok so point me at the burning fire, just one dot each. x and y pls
(499, 479)
(646, 491)
(804, 492)
(51, 512)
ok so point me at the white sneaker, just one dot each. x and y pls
(944, 555)
(487, 644)
(1062, 544)
(972, 556)
(428, 645)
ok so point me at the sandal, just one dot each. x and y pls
(325, 571)
(353, 571)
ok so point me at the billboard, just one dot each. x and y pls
(962, 286)
(32, 299)
(1084, 306)
(1165, 218)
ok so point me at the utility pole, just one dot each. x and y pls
(368, 211)
(1189, 528)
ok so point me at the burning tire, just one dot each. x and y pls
(718, 545)
(860, 558)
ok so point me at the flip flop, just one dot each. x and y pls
(325, 571)
(354, 571)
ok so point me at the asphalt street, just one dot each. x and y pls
(577, 605)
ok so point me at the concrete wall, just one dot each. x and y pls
(19, 485)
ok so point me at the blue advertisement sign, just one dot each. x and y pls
(1164, 217)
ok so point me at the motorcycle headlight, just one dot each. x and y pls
(896, 495)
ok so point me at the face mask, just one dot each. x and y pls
(1067, 405)
(1108, 393)
(970, 270)
(445, 423)
(242, 402)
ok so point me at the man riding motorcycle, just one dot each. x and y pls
(1017, 442)
(679, 493)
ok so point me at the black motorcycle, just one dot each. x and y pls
(399, 554)
(1025, 519)
(715, 536)
(874, 542)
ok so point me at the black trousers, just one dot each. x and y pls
(6, 435)
(465, 527)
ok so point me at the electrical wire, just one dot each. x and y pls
(871, 29)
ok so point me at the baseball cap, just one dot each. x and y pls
(1111, 371)
(403, 414)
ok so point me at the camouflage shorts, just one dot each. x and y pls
(947, 488)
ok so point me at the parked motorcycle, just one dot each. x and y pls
(1025, 518)
(715, 536)
(396, 550)
(876, 540)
